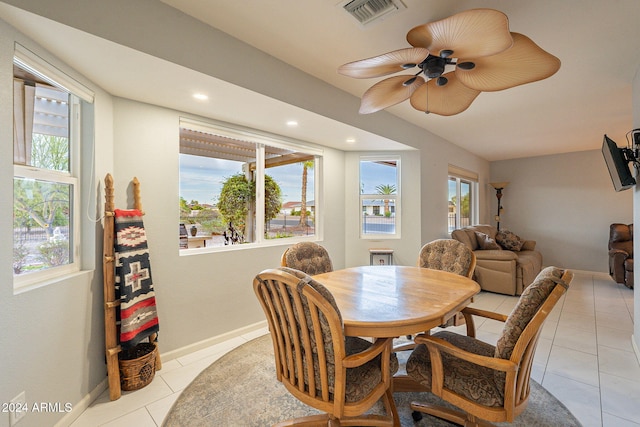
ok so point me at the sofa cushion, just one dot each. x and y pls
(509, 240)
(485, 242)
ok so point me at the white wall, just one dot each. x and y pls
(405, 248)
(204, 295)
(51, 338)
(566, 203)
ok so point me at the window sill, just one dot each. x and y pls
(248, 246)
(30, 286)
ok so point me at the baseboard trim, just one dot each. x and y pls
(179, 352)
(87, 400)
(83, 405)
(634, 344)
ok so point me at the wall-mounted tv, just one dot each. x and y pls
(618, 165)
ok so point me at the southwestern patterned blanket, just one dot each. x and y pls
(134, 287)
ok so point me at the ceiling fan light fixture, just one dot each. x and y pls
(410, 81)
(446, 53)
(488, 57)
(467, 65)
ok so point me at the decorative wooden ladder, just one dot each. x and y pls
(110, 303)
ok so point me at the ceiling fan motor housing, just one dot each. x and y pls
(433, 66)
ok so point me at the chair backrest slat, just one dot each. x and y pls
(307, 332)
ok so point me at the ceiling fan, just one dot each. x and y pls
(460, 56)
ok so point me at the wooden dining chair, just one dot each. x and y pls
(308, 257)
(341, 376)
(487, 383)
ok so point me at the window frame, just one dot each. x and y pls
(460, 176)
(261, 139)
(397, 197)
(27, 60)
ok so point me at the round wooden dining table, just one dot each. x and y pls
(392, 300)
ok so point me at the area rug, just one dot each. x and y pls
(240, 389)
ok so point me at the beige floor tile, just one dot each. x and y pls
(615, 338)
(138, 418)
(577, 339)
(581, 399)
(178, 379)
(159, 410)
(104, 410)
(609, 420)
(578, 321)
(573, 364)
(620, 397)
(619, 362)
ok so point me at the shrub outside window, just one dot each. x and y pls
(239, 186)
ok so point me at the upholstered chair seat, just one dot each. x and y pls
(485, 388)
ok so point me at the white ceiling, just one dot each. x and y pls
(596, 40)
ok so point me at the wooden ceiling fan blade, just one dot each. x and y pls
(389, 92)
(525, 62)
(388, 63)
(447, 100)
(471, 34)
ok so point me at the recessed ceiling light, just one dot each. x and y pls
(351, 140)
(292, 123)
(200, 96)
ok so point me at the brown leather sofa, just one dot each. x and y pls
(621, 253)
(505, 263)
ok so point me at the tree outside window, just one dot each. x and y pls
(221, 175)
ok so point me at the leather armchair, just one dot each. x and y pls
(621, 253)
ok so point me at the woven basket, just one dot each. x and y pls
(137, 366)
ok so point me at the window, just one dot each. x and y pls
(379, 197)
(242, 186)
(46, 184)
(462, 198)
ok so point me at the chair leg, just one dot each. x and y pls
(457, 417)
(321, 420)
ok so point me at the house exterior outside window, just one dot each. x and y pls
(462, 202)
(380, 197)
(241, 186)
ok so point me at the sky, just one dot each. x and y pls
(201, 178)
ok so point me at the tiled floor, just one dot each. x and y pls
(584, 358)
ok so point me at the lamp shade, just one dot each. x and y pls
(499, 185)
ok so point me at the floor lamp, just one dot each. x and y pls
(499, 186)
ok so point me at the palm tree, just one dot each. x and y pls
(303, 203)
(386, 189)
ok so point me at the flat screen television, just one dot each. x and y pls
(618, 165)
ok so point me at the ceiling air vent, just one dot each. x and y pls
(367, 11)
